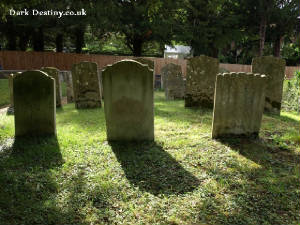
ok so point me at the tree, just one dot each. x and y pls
(283, 22)
(209, 26)
(141, 21)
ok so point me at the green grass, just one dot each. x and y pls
(4, 92)
(184, 177)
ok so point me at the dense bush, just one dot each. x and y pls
(291, 93)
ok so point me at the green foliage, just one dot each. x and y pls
(4, 92)
(291, 93)
(184, 177)
(209, 26)
(291, 53)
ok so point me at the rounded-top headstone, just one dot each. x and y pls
(34, 104)
(128, 98)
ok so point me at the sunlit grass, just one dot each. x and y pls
(184, 177)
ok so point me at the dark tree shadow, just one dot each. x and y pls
(152, 169)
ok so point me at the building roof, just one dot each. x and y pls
(178, 49)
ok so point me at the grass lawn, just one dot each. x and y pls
(4, 92)
(184, 177)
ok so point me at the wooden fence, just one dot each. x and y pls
(18, 60)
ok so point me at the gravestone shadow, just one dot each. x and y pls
(258, 185)
(282, 118)
(267, 153)
(29, 186)
(148, 166)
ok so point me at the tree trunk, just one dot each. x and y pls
(262, 34)
(12, 41)
(59, 42)
(11, 35)
(79, 34)
(137, 47)
(38, 39)
(214, 52)
(277, 45)
(23, 40)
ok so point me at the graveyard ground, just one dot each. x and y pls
(184, 177)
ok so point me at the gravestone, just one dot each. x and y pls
(128, 101)
(86, 87)
(173, 81)
(274, 68)
(238, 104)
(69, 86)
(11, 90)
(200, 81)
(34, 104)
(10, 110)
(101, 83)
(53, 72)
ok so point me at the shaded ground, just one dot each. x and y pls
(184, 177)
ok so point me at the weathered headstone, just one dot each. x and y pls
(86, 85)
(274, 68)
(53, 72)
(239, 103)
(128, 98)
(69, 86)
(173, 81)
(34, 104)
(101, 83)
(11, 90)
(10, 110)
(200, 81)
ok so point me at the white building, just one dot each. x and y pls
(177, 52)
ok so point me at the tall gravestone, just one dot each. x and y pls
(86, 87)
(128, 101)
(10, 110)
(11, 90)
(70, 88)
(67, 77)
(34, 104)
(173, 81)
(239, 104)
(53, 72)
(274, 68)
(200, 81)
